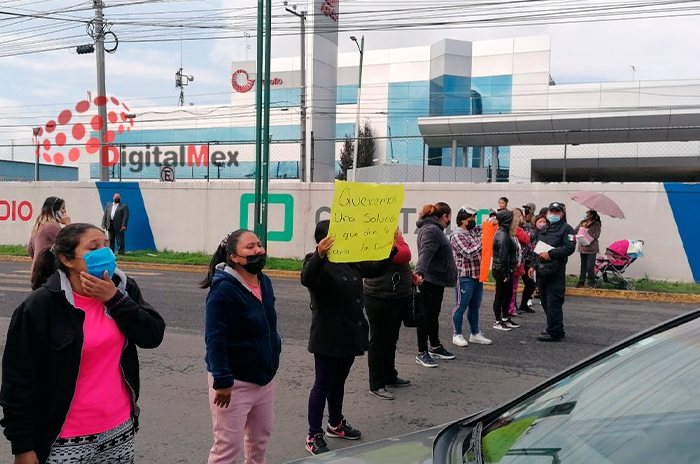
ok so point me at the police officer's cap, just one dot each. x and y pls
(556, 206)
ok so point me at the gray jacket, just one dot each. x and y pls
(436, 262)
(594, 231)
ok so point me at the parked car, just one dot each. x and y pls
(637, 402)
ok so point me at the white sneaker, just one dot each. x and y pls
(529, 303)
(479, 339)
(459, 340)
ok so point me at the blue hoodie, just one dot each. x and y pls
(241, 331)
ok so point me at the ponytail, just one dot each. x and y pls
(438, 210)
(223, 253)
(45, 265)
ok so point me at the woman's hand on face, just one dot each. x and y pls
(65, 220)
(100, 289)
(324, 246)
(223, 397)
(26, 458)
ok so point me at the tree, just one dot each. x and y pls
(365, 153)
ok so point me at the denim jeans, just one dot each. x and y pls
(468, 295)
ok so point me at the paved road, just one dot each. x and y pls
(176, 421)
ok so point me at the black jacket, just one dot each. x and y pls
(436, 262)
(562, 237)
(505, 255)
(43, 352)
(121, 217)
(338, 325)
(241, 331)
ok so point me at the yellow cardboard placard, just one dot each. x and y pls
(497, 443)
(364, 218)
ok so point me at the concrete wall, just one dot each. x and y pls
(195, 216)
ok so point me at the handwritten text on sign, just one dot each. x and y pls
(364, 218)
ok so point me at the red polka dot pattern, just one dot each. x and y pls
(97, 123)
(92, 146)
(74, 154)
(78, 131)
(64, 117)
(82, 107)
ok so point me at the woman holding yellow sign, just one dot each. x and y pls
(436, 269)
(339, 333)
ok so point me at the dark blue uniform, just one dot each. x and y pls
(551, 274)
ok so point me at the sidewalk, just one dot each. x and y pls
(584, 292)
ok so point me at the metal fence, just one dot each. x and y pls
(394, 159)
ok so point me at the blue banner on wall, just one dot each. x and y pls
(138, 235)
(684, 200)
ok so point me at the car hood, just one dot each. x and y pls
(413, 448)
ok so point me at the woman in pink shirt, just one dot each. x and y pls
(70, 372)
(47, 225)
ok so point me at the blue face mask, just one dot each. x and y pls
(99, 261)
(553, 218)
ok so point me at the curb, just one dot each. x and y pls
(584, 292)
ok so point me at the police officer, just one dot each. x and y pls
(551, 270)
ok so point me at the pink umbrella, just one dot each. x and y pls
(598, 202)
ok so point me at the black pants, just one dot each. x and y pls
(529, 289)
(329, 385)
(384, 325)
(429, 325)
(587, 268)
(552, 289)
(504, 294)
(116, 236)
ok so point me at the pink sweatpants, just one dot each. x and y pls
(247, 421)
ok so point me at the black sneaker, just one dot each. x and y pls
(344, 430)
(316, 444)
(440, 353)
(382, 393)
(510, 324)
(399, 382)
(527, 310)
(425, 360)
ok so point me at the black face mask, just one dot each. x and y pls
(255, 263)
(471, 225)
(117, 200)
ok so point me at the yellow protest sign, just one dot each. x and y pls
(364, 218)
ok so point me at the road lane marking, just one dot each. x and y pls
(13, 289)
(14, 281)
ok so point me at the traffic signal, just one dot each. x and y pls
(84, 49)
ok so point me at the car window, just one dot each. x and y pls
(638, 405)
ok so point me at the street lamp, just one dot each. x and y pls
(361, 47)
(302, 96)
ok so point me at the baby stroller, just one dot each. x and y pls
(618, 257)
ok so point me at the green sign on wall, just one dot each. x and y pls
(285, 199)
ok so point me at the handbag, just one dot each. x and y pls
(411, 313)
(583, 237)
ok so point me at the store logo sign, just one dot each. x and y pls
(52, 140)
(242, 83)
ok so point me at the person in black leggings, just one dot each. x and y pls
(504, 264)
(436, 269)
(339, 333)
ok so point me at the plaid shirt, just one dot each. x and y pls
(466, 246)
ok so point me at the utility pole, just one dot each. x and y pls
(302, 101)
(101, 85)
(361, 47)
(38, 154)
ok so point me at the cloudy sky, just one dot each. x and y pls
(37, 87)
